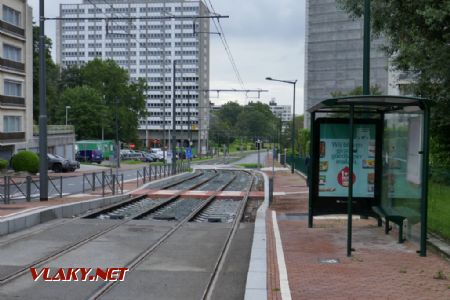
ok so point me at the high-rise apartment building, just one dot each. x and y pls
(16, 76)
(147, 47)
(334, 54)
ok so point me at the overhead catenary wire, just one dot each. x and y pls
(226, 46)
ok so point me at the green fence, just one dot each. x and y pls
(300, 164)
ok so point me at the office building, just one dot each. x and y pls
(147, 48)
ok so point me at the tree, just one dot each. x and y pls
(287, 133)
(113, 90)
(304, 139)
(87, 108)
(229, 113)
(418, 41)
(219, 131)
(256, 120)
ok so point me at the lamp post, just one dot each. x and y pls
(293, 82)
(67, 113)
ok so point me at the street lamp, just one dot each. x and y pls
(293, 82)
(67, 114)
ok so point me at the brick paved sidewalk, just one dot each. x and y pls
(379, 269)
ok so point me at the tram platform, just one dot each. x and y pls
(312, 263)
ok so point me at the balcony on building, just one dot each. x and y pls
(11, 29)
(12, 101)
(12, 137)
(12, 65)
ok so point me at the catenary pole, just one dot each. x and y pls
(366, 51)
(43, 164)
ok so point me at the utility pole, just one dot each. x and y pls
(174, 110)
(366, 54)
(117, 136)
(43, 163)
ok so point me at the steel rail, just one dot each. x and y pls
(149, 251)
(90, 213)
(13, 275)
(218, 267)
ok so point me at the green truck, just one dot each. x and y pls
(106, 146)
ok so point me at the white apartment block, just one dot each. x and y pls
(147, 48)
(284, 112)
(16, 76)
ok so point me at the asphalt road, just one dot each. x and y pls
(74, 184)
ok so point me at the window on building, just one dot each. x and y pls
(12, 53)
(12, 124)
(13, 88)
(11, 16)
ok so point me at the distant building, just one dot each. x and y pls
(215, 107)
(16, 76)
(147, 49)
(60, 140)
(281, 111)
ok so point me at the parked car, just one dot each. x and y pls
(124, 154)
(148, 157)
(60, 164)
(89, 156)
(158, 153)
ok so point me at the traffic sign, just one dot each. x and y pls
(189, 153)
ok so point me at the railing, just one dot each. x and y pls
(55, 129)
(10, 64)
(27, 188)
(11, 28)
(12, 136)
(106, 181)
(12, 101)
(147, 174)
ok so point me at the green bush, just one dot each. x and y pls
(3, 164)
(25, 161)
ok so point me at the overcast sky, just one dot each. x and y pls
(266, 38)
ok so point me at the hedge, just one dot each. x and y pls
(25, 161)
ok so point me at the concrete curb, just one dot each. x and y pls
(31, 218)
(256, 286)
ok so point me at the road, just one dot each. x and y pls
(74, 184)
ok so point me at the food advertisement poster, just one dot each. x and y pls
(334, 161)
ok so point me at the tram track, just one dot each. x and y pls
(72, 246)
(148, 252)
(169, 215)
(209, 289)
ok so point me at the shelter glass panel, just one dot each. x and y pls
(402, 168)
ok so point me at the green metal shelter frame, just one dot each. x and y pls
(391, 116)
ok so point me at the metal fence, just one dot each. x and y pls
(106, 181)
(27, 187)
(300, 164)
(147, 174)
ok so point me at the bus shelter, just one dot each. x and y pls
(369, 157)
